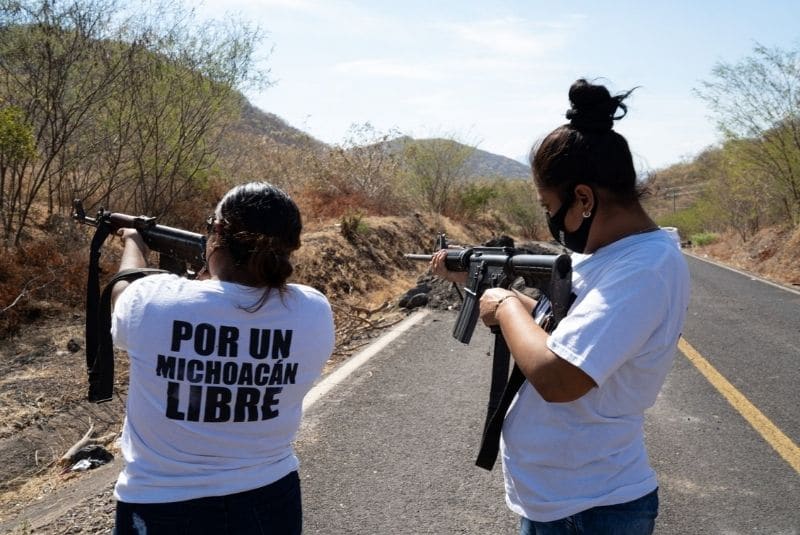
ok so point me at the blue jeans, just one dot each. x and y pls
(274, 509)
(632, 518)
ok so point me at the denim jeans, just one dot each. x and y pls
(274, 509)
(637, 517)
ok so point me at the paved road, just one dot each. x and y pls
(391, 450)
(718, 474)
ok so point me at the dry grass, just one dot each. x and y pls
(772, 253)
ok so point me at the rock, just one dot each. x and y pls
(418, 300)
(73, 346)
(422, 288)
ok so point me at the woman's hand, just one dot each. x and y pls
(491, 301)
(438, 268)
(131, 238)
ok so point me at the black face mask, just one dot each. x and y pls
(574, 241)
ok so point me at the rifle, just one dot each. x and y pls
(180, 252)
(493, 267)
(499, 267)
(177, 248)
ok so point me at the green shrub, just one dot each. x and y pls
(353, 224)
(516, 201)
(704, 238)
(474, 198)
(693, 220)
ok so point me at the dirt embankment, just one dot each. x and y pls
(773, 253)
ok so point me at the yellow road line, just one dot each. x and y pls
(774, 436)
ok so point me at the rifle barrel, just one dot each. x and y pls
(425, 257)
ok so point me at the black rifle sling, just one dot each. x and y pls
(500, 366)
(496, 414)
(101, 375)
(99, 346)
(501, 393)
(93, 293)
(490, 443)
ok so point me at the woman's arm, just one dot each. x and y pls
(554, 378)
(134, 256)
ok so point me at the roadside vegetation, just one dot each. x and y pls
(744, 193)
(139, 109)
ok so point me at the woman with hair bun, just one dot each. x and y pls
(574, 458)
(218, 371)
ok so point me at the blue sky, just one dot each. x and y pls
(496, 74)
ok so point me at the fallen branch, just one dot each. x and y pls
(368, 311)
(87, 438)
(25, 290)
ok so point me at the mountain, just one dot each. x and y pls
(480, 164)
(256, 122)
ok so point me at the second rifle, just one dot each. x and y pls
(500, 267)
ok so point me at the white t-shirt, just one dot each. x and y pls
(216, 392)
(622, 330)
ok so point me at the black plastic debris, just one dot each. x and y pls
(90, 457)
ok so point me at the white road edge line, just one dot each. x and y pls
(355, 361)
(745, 273)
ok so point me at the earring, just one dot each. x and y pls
(586, 214)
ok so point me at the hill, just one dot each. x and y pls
(676, 187)
(263, 144)
(479, 164)
(262, 124)
(484, 164)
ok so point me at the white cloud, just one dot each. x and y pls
(389, 69)
(308, 6)
(429, 100)
(315, 7)
(512, 36)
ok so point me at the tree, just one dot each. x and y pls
(516, 201)
(123, 100)
(363, 169)
(757, 103)
(17, 145)
(729, 195)
(178, 102)
(435, 168)
(475, 197)
(51, 68)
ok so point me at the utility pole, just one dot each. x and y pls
(672, 192)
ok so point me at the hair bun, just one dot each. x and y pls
(593, 107)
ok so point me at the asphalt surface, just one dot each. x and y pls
(391, 449)
(718, 475)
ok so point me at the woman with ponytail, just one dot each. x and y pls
(218, 371)
(574, 458)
